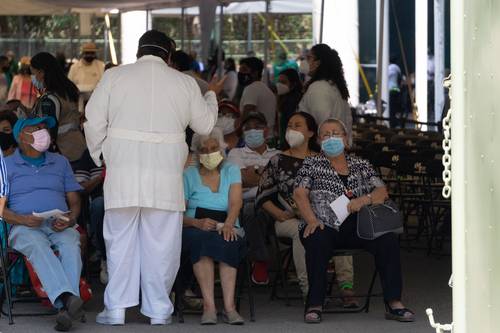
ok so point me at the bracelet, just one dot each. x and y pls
(370, 197)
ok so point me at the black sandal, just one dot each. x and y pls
(317, 320)
(402, 315)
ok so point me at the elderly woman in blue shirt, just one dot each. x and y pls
(40, 181)
(211, 231)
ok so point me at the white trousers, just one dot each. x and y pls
(143, 248)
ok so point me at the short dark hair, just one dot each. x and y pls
(255, 64)
(182, 60)
(156, 43)
(8, 115)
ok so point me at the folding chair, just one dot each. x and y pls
(369, 294)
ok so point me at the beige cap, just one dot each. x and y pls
(89, 47)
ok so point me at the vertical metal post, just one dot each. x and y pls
(220, 65)
(321, 21)
(249, 33)
(266, 42)
(380, 53)
(438, 59)
(182, 26)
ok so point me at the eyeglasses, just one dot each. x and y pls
(256, 127)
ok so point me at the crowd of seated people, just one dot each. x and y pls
(277, 156)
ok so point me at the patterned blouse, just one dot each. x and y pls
(325, 185)
(277, 182)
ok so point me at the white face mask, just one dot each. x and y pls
(282, 89)
(226, 124)
(294, 138)
(304, 67)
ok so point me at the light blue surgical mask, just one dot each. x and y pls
(254, 138)
(333, 146)
(38, 84)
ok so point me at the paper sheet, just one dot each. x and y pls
(339, 207)
(51, 214)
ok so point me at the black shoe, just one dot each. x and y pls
(63, 321)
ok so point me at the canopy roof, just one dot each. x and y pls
(277, 6)
(49, 7)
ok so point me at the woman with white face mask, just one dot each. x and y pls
(228, 122)
(211, 232)
(289, 90)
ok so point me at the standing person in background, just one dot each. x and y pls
(22, 88)
(256, 97)
(394, 80)
(61, 59)
(182, 62)
(136, 118)
(13, 65)
(231, 83)
(289, 88)
(5, 79)
(326, 93)
(282, 63)
(88, 70)
(59, 100)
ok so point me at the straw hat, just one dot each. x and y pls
(89, 47)
(25, 60)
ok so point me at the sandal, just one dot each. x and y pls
(349, 300)
(316, 319)
(401, 315)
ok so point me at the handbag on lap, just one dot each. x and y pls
(377, 220)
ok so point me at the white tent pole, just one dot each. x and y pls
(220, 65)
(266, 42)
(381, 13)
(421, 59)
(249, 33)
(321, 21)
(182, 27)
(438, 59)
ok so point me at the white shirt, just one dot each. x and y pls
(394, 74)
(323, 101)
(137, 118)
(248, 158)
(86, 76)
(231, 84)
(257, 93)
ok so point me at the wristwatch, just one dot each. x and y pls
(370, 197)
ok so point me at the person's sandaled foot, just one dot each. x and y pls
(348, 299)
(63, 321)
(402, 314)
(313, 316)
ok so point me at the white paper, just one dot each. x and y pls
(339, 207)
(51, 214)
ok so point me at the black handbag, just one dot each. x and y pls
(377, 220)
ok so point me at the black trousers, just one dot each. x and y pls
(319, 248)
(257, 224)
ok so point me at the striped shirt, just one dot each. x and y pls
(4, 182)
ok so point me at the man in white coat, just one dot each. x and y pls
(136, 118)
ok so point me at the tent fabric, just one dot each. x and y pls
(277, 7)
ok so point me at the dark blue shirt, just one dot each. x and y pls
(42, 188)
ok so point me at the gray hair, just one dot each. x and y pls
(199, 140)
(333, 121)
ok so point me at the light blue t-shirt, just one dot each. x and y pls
(199, 195)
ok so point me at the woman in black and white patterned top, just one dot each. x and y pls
(321, 180)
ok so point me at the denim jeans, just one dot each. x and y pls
(96, 223)
(58, 274)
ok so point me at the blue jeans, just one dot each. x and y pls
(58, 274)
(96, 222)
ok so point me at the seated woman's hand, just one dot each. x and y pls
(311, 227)
(206, 224)
(355, 205)
(228, 232)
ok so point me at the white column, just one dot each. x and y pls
(421, 58)
(438, 58)
(385, 52)
(341, 32)
(133, 25)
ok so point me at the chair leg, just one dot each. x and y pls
(6, 284)
(250, 291)
(370, 290)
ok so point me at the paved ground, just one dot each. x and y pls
(425, 280)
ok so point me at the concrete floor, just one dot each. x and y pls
(425, 285)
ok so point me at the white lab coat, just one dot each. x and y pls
(136, 118)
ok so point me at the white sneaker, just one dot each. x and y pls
(111, 317)
(155, 321)
(103, 275)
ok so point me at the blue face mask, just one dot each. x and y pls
(254, 138)
(38, 84)
(333, 146)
